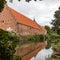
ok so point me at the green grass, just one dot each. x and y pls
(53, 59)
(57, 59)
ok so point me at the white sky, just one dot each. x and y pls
(42, 11)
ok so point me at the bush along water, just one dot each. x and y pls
(36, 38)
(8, 43)
(32, 38)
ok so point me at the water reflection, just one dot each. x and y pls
(43, 54)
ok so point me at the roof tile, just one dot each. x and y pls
(23, 19)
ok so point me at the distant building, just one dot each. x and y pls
(13, 21)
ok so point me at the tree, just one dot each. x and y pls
(8, 43)
(56, 21)
(52, 37)
(48, 29)
(3, 2)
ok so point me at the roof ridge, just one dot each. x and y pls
(23, 19)
(20, 13)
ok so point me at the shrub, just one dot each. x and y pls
(35, 38)
(8, 43)
(17, 58)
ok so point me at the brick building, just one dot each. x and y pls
(13, 21)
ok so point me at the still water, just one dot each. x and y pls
(43, 54)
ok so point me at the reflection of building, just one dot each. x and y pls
(16, 22)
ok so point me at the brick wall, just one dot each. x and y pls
(7, 20)
(27, 30)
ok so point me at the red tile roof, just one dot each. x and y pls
(23, 19)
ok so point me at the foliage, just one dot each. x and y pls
(32, 38)
(49, 30)
(57, 47)
(52, 37)
(53, 59)
(49, 59)
(2, 3)
(8, 43)
(56, 21)
(16, 58)
(36, 38)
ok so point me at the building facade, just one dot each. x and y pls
(13, 21)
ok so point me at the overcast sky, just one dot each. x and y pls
(41, 11)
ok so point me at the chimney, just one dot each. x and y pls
(34, 20)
